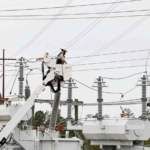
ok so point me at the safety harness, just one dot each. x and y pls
(59, 61)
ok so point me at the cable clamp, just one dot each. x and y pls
(69, 100)
(144, 99)
(99, 100)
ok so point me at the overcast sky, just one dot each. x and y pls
(106, 35)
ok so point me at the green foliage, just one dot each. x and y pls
(39, 119)
(94, 147)
(96, 115)
(127, 111)
(147, 143)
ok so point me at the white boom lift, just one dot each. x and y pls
(109, 134)
(57, 74)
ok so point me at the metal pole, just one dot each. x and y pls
(144, 98)
(21, 78)
(55, 111)
(27, 95)
(100, 100)
(3, 73)
(76, 111)
(69, 114)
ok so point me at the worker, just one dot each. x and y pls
(61, 57)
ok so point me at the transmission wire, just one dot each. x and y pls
(117, 38)
(85, 5)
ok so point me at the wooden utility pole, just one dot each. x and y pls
(3, 74)
(3, 85)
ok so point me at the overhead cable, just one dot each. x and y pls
(29, 60)
(110, 62)
(91, 26)
(95, 89)
(72, 6)
(124, 52)
(73, 18)
(14, 83)
(110, 68)
(76, 14)
(43, 30)
(107, 62)
(130, 90)
(127, 31)
(147, 64)
(94, 69)
(123, 77)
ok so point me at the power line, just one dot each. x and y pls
(128, 92)
(73, 18)
(124, 52)
(110, 62)
(98, 63)
(90, 69)
(91, 26)
(123, 77)
(118, 37)
(97, 68)
(76, 14)
(14, 83)
(43, 30)
(147, 63)
(72, 6)
(109, 68)
(93, 88)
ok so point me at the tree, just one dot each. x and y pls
(39, 119)
(105, 116)
(128, 112)
(42, 118)
(89, 116)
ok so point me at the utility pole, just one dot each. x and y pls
(144, 96)
(3, 85)
(3, 73)
(21, 78)
(69, 100)
(27, 95)
(76, 110)
(100, 99)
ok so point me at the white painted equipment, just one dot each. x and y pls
(12, 116)
(117, 129)
(118, 134)
(58, 73)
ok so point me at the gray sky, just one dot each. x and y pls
(14, 34)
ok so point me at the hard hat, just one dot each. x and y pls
(64, 49)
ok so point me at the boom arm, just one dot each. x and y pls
(63, 70)
(19, 115)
